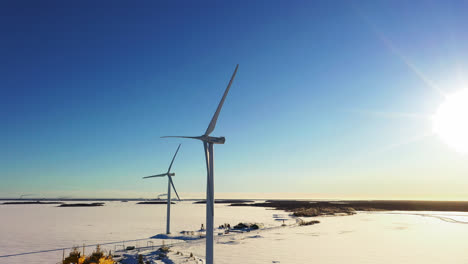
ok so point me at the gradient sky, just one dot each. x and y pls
(332, 99)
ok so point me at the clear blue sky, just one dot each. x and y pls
(331, 97)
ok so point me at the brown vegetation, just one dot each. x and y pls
(306, 223)
(317, 211)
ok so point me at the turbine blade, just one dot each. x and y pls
(212, 124)
(199, 138)
(168, 170)
(158, 175)
(173, 187)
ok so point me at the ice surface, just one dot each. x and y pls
(30, 228)
(368, 237)
(385, 238)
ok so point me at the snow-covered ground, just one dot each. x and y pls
(397, 237)
(30, 228)
(377, 237)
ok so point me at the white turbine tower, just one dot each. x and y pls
(169, 183)
(208, 144)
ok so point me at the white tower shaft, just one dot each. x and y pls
(209, 203)
(168, 225)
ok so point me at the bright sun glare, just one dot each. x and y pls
(450, 121)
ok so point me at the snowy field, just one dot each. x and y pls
(30, 228)
(377, 237)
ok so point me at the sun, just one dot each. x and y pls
(450, 122)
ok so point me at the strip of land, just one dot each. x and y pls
(154, 202)
(233, 201)
(32, 202)
(82, 205)
(318, 208)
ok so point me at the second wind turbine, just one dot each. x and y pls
(169, 183)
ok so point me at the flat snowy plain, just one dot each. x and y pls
(377, 237)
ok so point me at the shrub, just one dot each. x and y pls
(306, 223)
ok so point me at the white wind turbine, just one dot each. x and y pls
(169, 183)
(208, 145)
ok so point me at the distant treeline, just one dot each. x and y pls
(33, 202)
(82, 205)
(233, 201)
(312, 208)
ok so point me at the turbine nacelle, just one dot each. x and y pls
(214, 140)
(208, 139)
(172, 174)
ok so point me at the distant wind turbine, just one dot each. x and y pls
(169, 183)
(24, 195)
(161, 195)
(208, 145)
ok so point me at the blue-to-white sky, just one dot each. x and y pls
(332, 99)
